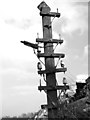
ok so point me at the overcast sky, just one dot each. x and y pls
(20, 20)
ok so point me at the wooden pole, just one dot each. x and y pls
(49, 55)
(49, 62)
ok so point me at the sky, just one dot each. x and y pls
(20, 20)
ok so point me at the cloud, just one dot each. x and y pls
(55, 35)
(76, 57)
(11, 48)
(23, 23)
(74, 17)
(24, 89)
(71, 13)
(18, 75)
(81, 78)
(20, 20)
(21, 14)
(17, 9)
(22, 99)
(23, 66)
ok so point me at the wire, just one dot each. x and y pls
(37, 57)
(44, 78)
(55, 47)
(58, 61)
(52, 21)
(60, 92)
(41, 61)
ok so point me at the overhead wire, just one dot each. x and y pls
(52, 21)
(38, 57)
(44, 78)
(55, 47)
(57, 43)
(57, 62)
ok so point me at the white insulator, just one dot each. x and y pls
(39, 66)
(64, 80)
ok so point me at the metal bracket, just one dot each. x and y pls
(50, 14)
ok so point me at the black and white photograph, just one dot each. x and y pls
(44, 60)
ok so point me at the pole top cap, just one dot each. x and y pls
(43, 5)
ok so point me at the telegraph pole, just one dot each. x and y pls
(49, 56)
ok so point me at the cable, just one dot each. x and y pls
(57, 62)
(52, 21)
(60, 92)
(44, 78)
(41, 61)
(38, 58)
(55, 47)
